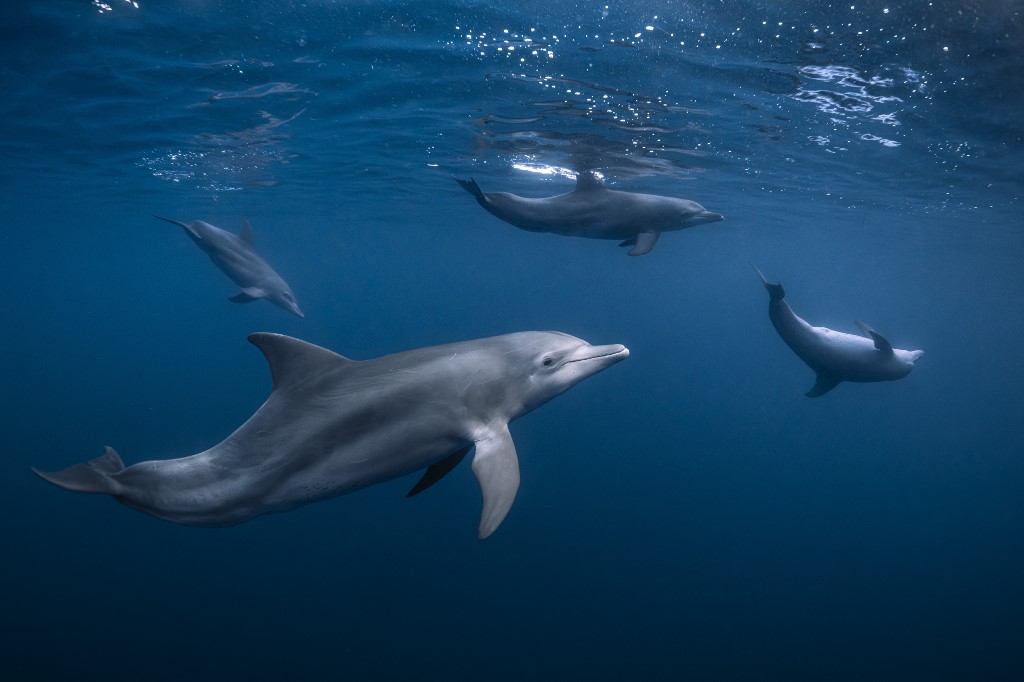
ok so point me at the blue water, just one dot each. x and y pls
(685, 514)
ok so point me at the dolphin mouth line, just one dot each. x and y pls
(595, 357)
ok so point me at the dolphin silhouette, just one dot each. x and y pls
(333, 425)
(592, 210)
(236, 258)
(836, 356)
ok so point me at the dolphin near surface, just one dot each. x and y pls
(836, 356)
(592, 210)
(332, 426)
(236, 258)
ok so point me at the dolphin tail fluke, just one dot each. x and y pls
(95, 476)
(171, 221)
(775, 291)
(473, 188)
(189, 230)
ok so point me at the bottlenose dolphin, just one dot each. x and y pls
(836, 356)
(333, 425)
(596, 212)
(235, 256)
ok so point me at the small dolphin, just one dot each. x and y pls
(837, 356)
(596, 212)
(333, 425)
(237, 259)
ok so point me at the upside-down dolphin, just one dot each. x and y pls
(836, 356)
(333, 425)
(236, 258)
(592, 210)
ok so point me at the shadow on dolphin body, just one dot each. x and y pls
(236, 258)
(593, 211)
(332, 426)
(836, 356)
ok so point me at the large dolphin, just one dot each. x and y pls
(836, 356)
(235, 256)
(333, 425)
(594, 211)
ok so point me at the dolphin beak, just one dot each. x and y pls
(702, 218)
(596, 358)
(290, 306)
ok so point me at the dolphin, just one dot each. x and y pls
(333, 425)
(236, 258)
(836, 356)
(592, 210)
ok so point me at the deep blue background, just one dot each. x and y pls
(685, 514)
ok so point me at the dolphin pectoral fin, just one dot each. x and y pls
(496, 466)
(246, 234)
(644, 242)
(823, 385)
(248, 295)
(881, 343)
(91, 477)
(438, 470)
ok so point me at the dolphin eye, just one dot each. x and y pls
(548, 362)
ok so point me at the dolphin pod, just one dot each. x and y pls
(236, 258)
(332, 426)
(592, 210)
(836, 356)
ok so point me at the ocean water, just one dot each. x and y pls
(685, 514)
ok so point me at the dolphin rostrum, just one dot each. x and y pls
(836, 356)
(333, 425)
(594, 211)
(236, 258)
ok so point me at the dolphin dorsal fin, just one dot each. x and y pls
(292, 360)
(246, 234)
(587, 181)
(881, 343)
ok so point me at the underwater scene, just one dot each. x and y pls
(477, 340)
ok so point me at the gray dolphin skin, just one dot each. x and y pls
(592, 210)
(836, 356)
(333, 425)
(236, 258)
